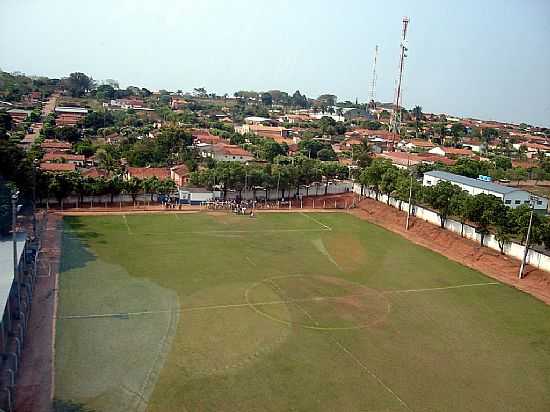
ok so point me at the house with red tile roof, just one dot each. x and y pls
(58, 167)
(49, 145)
(160, 173)
(226, 153)
(64, 157)
(180, 174)
(451, 151)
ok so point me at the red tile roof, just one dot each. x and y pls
(50, 145)
(146, 172)
(67, 156)
(58, 167)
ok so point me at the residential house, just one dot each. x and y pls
(418, 144)
(58, 167)
(64, 157)
(450, 151)
(18, 115)
(226, 153)
(49, 145)
(264, 131)
(160, 173)
(180, 175)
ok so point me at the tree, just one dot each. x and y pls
(5, 208)
(480, 211)
(388, 183)
(504, 225)
(78, 84)
(502, 162)
(460, 209)
(299, 100)
(327, 99)
(326, 154)
(133, 187)
(458, 129)
(267, 99)
(61, 185)
(417, 113)
(362, 154)
(372, 175)
(5, 124)
(151, 185)
(105, 92)
(440, 198)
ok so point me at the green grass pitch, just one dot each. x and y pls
(286, 312)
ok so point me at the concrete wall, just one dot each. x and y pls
(314, 190)
(515, 250)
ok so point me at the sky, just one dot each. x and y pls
(488, 59)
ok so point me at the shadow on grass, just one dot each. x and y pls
(69, 406)
(75, 246)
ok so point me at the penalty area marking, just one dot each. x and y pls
(326, 227)
(469, 285)
(127, 225)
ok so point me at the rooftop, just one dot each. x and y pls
(58, 167)
(468, 181)
(67, 109)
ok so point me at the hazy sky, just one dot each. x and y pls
(483, 58)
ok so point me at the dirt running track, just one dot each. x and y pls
(34, 391)
(451, 245)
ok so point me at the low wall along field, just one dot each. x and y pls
(512, 249)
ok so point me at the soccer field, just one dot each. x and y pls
(286, 312)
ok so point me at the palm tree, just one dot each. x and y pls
(151, 186)
(133, 186)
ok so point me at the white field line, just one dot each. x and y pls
(349, 353)
(372, 374)
(326, 227)
(251, 261)
(209, 307)
(441, 288)
(127, 225)
(177, 217)
(273, 302)
(142, 401)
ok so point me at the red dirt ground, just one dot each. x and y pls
(469, 253)
(35, 383)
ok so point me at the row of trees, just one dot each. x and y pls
(63, 185)
(486, 212)
(286, 178)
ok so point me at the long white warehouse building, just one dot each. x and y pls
(510, 196)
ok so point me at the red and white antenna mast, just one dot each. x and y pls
(395, 122)
(373, 84)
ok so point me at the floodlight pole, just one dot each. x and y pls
(526, 251)
(14, 198)
(34, 166)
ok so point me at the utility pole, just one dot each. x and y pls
(373, 83)
(409, 208)
(527, 238)
(395, 122)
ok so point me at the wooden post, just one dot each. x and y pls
(313, 203)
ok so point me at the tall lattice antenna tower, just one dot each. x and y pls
(373, 84)
(395, 122)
